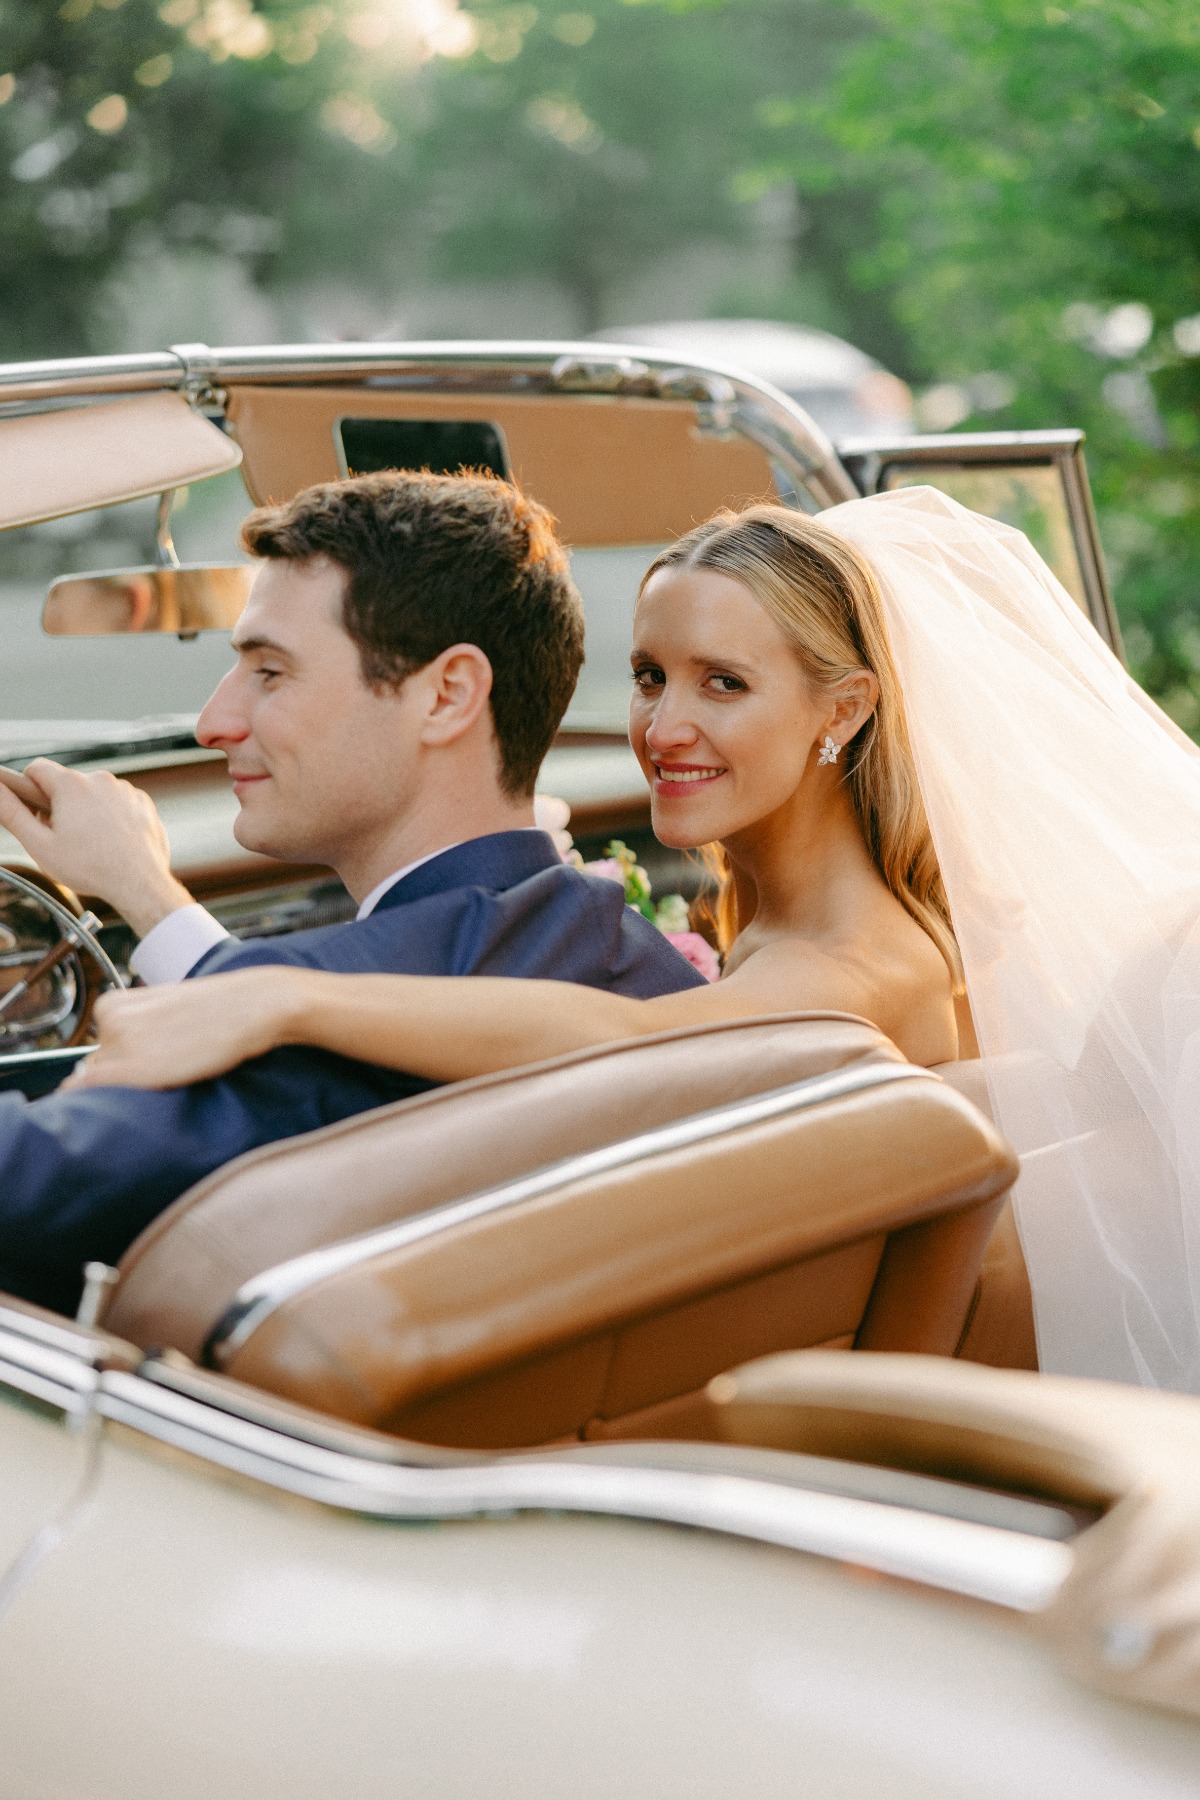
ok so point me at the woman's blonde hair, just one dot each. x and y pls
(825, 598)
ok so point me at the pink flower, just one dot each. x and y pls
(608, 868)
(698, 950)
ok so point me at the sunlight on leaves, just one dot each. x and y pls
(109, 115)
(353, 117)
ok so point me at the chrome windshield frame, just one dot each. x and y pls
(726, 398)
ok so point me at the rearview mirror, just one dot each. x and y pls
(183, 601)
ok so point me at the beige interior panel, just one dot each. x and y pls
(70, 461)
(628, 471)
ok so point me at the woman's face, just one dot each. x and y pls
(722, 719)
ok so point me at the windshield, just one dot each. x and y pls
(70, 696)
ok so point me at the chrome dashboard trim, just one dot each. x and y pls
(261, 1296)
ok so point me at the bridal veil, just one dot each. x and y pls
(1065, 810)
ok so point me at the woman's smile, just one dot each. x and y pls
(680, 780)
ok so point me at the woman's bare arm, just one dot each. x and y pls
(445, 1028)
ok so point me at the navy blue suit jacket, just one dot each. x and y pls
(81, 1174)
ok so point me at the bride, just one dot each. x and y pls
(930, 781)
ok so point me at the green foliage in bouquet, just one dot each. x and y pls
(669, 914)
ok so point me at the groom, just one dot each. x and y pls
(408, 650)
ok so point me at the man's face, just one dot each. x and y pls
(321, 763)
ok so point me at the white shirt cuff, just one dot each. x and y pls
(176, 944)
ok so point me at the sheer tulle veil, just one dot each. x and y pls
(1065, 811)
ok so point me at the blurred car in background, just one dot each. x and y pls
(846, 391)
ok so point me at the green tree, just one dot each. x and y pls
(584, 145)
(269, 134)
(1038, 220)
(575, 146)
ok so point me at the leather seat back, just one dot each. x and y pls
(1000, 1327)
(598, 1295)
(293, 1196)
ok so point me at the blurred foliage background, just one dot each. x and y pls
(1001, 201)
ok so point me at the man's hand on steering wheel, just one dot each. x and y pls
(100, 836)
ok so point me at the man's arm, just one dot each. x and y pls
(102, 837)
(171, 949)
(81, 1174)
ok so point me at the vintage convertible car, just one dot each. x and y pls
(561, 1313)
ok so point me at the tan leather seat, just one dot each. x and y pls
(1000, 1326)
(795, 1183)
(276, 1203)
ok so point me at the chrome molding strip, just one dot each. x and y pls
(732, 398)
(83, 375)
(968, 446)
(258, 1298)
(59, 1376)
(20, 1324)
(1004, 1567)
(999, 1563)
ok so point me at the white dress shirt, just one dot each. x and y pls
(173, 947)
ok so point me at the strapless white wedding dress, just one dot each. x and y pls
(1065, 810)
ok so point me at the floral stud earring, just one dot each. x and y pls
(829, 751)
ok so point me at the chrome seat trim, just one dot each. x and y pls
(263, 1294)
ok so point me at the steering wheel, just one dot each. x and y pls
(52, 966)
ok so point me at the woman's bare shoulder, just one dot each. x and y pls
(792, 974)
(907, 996)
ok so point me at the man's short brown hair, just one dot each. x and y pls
(435, 560)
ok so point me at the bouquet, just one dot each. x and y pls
(670, 913)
